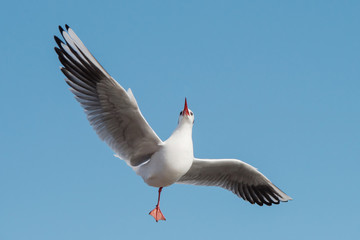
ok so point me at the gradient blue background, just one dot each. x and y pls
(273, 83)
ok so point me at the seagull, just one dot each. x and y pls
(114, 114)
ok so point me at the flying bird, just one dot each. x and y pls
(115, 116)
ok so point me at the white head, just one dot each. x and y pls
(186, 115)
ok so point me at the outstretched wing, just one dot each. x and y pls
(234, 175)
(111, 111)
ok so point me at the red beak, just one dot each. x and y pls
(186, 110)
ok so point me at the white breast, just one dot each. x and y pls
(171, 162)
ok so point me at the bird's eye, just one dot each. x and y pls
(181, 113)
(191, 113)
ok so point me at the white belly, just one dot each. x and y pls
(167, 165)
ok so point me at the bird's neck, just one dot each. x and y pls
(183, 130)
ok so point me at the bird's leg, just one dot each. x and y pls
(156, 213)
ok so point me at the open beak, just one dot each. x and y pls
(186, 110)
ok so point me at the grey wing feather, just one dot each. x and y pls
(237, 176)
(113, 113)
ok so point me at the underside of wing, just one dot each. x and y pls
(111, 111)
(237, 176)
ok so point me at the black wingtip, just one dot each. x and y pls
(67, 27)
(61, 29)
(58, 41)
(58, 51)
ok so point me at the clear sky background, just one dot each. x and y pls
(273, 83)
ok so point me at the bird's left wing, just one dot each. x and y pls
(112, 111)
(237, 176)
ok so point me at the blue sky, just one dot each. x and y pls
(273, 83)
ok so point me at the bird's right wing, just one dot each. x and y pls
(111, 111)
(237, 176)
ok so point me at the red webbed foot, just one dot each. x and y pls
(157, 214)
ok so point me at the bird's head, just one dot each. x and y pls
(186, 115)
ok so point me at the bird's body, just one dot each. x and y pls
(173, 159)
(115, 116)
